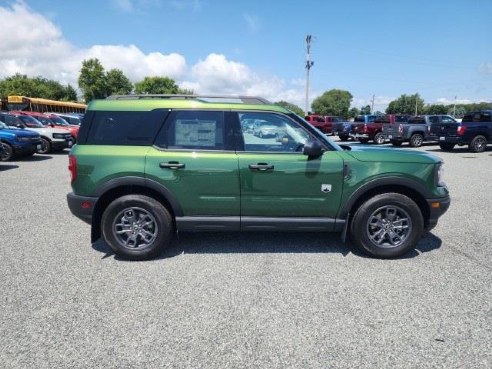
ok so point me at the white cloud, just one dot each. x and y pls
(38, 48)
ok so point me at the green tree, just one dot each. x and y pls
(406, 104)
(333, 102)
(92, 80)
(366, 110)
(20, 84)
(353, 112)
(292, 107)
(117, 83)
(435, 109)
(156, 85)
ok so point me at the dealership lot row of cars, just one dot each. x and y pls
(24, 133)
(474, 130)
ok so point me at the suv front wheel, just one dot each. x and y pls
(387, 225)
(137, 227)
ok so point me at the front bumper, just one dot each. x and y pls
(82, 206)
(62, 144)
(437, 207)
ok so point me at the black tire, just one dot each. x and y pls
(45, 146)
(363, 140)
(416, 140)
(396, 143)
(478, 144)
(396, 240)
(136, 218)
(343, 137)
(446, 146)
(379, 138)
(7, 153)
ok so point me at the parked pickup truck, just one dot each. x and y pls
(475, 130)
(323, 123)
(343, 129)
(415, 131)
(373, 131)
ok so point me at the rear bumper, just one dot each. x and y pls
(448, 139)
(437, 207)
(81, 206)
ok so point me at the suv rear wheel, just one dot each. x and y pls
(478, 144)
(137, 227)
(387, 225)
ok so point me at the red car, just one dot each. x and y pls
(52, 120)
(323, 123)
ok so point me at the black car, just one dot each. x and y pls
(475, 130)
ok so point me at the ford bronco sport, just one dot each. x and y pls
(147, 166)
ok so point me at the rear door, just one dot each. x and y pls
(194, 158)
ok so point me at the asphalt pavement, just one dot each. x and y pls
(241, 300)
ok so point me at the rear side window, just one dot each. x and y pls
(478, 117)
(195, 130)
(129, 128)
(416, 120)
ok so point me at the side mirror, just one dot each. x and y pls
(313, 149)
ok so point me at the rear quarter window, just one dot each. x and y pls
(129, 128)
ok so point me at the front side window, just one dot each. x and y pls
(273, 133)
(196, 130)
(446, 119)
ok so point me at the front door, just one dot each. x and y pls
(277, 180)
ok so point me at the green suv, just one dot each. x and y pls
(147, 166)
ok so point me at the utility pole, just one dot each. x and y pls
(416, 99)
(309, 64)
(454, 107)
(372, 104)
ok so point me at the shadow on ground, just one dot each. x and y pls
(285, 243)
(5, 167)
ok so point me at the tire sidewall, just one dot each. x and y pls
(414, 142)
(473, 144)
(379, 138)
(44, 143)
(358, 227)
(158, 211)
(8, 152)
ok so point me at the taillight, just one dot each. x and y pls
(365, 128)
(72, 167)
(460, 131)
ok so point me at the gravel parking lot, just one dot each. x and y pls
(241, 301)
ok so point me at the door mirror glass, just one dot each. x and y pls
(312, 148)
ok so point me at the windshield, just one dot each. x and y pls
(59, 121)
(45, 120)
(30, 122)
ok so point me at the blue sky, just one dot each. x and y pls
(440, 49)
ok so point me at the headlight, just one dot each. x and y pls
(440, 175)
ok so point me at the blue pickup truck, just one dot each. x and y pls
(475, 130)
(16, 142)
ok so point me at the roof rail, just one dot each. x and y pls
(231, 99)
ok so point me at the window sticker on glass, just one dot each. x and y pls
(195, 133)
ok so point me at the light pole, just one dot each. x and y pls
(309, 64)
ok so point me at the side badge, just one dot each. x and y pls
(326, 188)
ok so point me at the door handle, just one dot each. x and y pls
(172, 165)
(262, 167)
